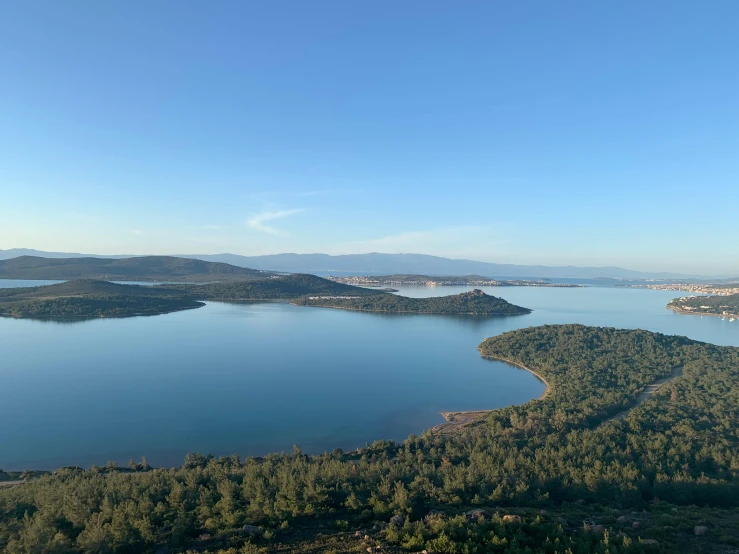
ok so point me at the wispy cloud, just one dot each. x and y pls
(259, 221)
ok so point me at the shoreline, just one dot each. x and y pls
(457, 420)
(528, 311)
(680, 311)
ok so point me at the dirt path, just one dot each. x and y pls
(647, 393)
(10, 483)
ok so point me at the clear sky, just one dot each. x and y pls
(553, 132)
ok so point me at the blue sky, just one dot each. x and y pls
(587, 133)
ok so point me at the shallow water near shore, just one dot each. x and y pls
(259, 377)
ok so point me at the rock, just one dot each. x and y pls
(636, 525)
(599, 529)
(511, 519)
(397, 520)
(366, 537)
(474, 515)
(622, 519)
(651, 543)
(369, 549)
(252, 530)
(435, 514)
(700, 530)
(358, 534)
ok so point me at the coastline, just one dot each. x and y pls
(526, 312)
(677, 310)
(457, 420)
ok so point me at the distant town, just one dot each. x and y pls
(426, 281)
(721, 290)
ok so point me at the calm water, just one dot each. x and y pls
(257, 378)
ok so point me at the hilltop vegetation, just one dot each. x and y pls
(707, 305)
(552, 475)
(474, 302)
(144, 268)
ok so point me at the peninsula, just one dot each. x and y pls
(474, 302)
(565, 470)
(721, 306)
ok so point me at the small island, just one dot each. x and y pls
(475, 302)
(721, 306)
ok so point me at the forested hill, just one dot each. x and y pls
(552, 475)
(474, 302)
(88, 298)
(144, 268)
(285, 287)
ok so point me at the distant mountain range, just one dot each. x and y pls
(376, 263)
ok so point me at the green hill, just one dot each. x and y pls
(286, 287)
(474, 302)
(88, 298)
(144, 268)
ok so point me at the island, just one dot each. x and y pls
(475, 302)
(140, 268)
(565, 471)
(721, 306)
(438, 281)
(90, 298)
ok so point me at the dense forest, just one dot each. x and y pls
(703, 305)
(552, 475)
(474, 302)
(141, 268)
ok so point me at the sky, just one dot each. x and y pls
(567, 132)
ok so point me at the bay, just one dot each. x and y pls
(259, 377)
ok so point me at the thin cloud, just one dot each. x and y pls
(259, 221)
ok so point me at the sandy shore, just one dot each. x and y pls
(457, 420)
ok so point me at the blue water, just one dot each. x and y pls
(258, 378)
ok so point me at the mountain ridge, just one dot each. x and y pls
(381, 263)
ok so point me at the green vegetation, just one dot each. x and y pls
(144, 268)
(474, 302)
(707, 305)
(87, 298)
(287, 287)
(553, 475)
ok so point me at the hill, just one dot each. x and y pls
(89, 298)
(474, 302)
(275, 288)
(145, 268)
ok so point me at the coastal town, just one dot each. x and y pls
(721, 290)
(426, 281)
